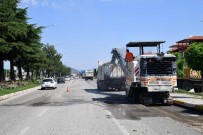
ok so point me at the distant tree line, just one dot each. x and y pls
(20, 44)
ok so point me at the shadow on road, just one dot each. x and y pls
(121, 107)
(110, 97)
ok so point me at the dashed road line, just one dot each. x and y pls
(24, 130)
(42, 112)
(118, 124)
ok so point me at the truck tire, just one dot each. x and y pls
(136, 96)
(187, 86)
(106, 87)
(197, 90)
(103, 86)
(169, 101)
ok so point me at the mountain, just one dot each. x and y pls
(74, 71)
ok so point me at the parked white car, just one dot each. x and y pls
(67, 78)
(48, 83)
(76, 77)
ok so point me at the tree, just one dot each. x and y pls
(180, 64)
(6, 29)
(13, 27)
(53, 60)
(194, 58)
(20, 44)
(65, 71)
(31, 53)
(53, 65)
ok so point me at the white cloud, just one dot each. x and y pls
(43, 3)
(30, 2)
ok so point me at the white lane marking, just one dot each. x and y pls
(42, 112)
(24, 131)
(194, 115)
(118, 124)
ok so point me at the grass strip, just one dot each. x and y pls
(187, 92)
(20, 88)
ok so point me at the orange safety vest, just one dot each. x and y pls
(129, 56)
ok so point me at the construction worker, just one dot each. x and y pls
(129, 56)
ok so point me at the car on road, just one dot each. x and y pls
(67, 78)
(48, 83)
(61, 80)
(76, 77)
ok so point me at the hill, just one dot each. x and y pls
(74, 71)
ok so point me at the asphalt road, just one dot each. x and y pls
(78, 108)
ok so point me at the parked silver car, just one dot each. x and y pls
(48, 83)
(67, 78)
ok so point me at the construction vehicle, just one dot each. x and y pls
(110, 76)
(88, 74)
(150, 77)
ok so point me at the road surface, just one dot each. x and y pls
(78, 108)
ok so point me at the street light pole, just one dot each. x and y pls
(49, 25)
(46, 27)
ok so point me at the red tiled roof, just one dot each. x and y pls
(183, 44)
(196, 37)
(192, 39)
(180, 45)
(173, 50)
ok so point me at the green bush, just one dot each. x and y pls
(24, 86)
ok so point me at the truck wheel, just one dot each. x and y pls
(136, 97)
(106, 87)
(169, 101)
(141, 99)
(103, 86)
(187, 86)
(129, 94)
(197, 90)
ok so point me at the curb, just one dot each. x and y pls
(18, 93)
(193, 106)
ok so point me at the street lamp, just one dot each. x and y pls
(49, 25)
(44, 28)
(58, 44)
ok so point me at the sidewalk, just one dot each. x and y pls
(188, 100)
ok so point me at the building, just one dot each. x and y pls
(183, 44)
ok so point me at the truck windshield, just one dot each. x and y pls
(152, 66)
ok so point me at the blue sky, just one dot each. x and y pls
(87, 30)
